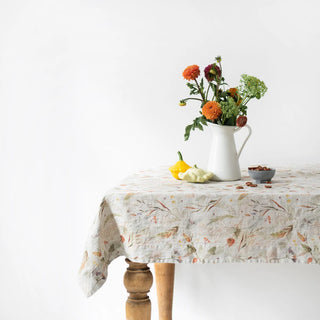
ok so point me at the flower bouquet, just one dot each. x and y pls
(219, 104)
(225, 109)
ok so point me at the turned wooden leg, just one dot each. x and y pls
(138, 281)
(165, 282)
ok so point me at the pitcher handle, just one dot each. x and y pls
(245, 140)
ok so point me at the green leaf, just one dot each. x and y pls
(190, 85)
(213, 86)
(194, 91)
(223, 94)
(187, 132)
(196, 124)
(231, 121)
(204, 121)
(212, 250)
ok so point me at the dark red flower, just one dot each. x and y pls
(211, 72)
(241, 121)
(209, 76)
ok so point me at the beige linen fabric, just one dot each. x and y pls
(152, 217)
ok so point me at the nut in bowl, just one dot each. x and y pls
(261, 174)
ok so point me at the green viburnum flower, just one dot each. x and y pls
(251, 87)
(230, 111)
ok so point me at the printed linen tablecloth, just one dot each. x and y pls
(151, 217)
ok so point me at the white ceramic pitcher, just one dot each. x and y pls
(224, 158)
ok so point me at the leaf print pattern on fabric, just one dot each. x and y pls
(306, 248)
(152, 217)
(282, 233)
(84, 260)
(220, 218)
(186, 237)
(168, 233)
(302, 238)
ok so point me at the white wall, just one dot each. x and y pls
(89, 93)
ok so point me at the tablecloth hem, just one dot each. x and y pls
(89, 287)
(221, 260)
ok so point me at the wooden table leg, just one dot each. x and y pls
(165, 281)
(138, 281)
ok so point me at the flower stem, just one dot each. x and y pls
(217, 91)
(191, 99)
(246, 100)
(207, 92)
(218, 82)
(202, 95)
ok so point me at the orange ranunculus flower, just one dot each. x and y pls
(191, 72)
(211, 110)
(233, 92)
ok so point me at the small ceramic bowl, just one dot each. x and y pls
(262, 176)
